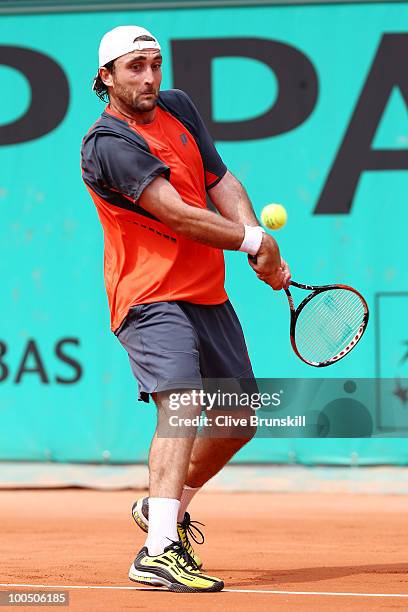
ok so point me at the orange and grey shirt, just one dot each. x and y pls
(145, 261)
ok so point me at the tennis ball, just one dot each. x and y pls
(274, 216)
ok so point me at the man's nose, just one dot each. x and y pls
(148, 76)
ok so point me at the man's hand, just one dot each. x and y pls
(269, 266)
(287, 277)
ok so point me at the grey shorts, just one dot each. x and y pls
(174, 345)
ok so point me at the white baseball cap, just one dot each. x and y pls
(121, 40)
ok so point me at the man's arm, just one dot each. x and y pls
(162, 200)
(231, 200)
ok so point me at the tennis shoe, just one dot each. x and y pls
(186, 529)
(174, 569)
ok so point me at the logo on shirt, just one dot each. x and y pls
(184, 139)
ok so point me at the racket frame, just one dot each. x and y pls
(295, 312)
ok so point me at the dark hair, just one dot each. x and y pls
(99, 86)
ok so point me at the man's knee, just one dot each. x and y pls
(177, 413)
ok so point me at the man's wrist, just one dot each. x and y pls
(252, 239)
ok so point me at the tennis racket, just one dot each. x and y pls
(327, 324)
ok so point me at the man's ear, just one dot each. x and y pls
(106, 76)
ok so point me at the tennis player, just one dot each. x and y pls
(149, 163)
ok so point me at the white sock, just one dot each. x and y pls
(162, 524)
(186, 497)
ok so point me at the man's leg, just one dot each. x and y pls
(162, 345)
(165, 560)
(226, 367)
(208, 456)
(169, 459)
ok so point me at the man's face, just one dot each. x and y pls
(136, 79)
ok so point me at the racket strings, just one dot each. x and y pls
(328, 323)
(320, 346)
(325, 342)
(330, 328)
(323, 308)
(335, 305)
(338, 325)
(329, 334)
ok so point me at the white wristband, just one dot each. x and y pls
(252, 239)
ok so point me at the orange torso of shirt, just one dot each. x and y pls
(146, 261)
(169, 140)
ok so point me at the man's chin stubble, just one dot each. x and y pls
(145, 107)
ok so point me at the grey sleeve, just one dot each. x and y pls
(125, 166)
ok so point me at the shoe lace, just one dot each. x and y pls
(190, 529)
(183, 554)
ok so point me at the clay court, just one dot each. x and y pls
(294, 551)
